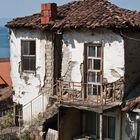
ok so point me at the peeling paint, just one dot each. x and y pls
(73, 50)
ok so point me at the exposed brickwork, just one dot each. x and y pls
(48, 12)
(49, 66)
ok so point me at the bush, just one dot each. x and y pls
(1, 137)
(8, 119)
(26, 136)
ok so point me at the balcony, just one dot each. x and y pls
(80, 93)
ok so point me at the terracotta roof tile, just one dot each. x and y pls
(86, 14)
(5, 72)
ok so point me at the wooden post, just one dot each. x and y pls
(97, 95)
(113, 92)
(69, 90)
(57, 87)
(73, 90)
(31, 112)
(101, 126)
(105, 92)
(43, 103)
(58, 124)
(82, 89)
(62, 89)
(19, 119)
(87, 91)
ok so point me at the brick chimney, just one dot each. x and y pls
(48, 12)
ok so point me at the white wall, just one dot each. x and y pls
(28, 85)
(73, 49)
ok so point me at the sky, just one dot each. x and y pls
(16, 8)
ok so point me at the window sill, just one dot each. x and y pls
(27, 73)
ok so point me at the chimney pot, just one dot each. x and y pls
(48, 12)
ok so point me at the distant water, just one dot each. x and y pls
(4, 43)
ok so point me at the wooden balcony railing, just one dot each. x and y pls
(102, 94)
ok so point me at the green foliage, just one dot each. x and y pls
(1, 137)
(8, 119)
(26, 136)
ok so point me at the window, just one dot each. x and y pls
(28, 52)
(92, 123)
(109, 127)
(94, 68)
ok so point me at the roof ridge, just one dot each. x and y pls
(86, 14)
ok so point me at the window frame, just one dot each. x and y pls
(25, 55)
(107, 127)
(98, 72)
(90, 115)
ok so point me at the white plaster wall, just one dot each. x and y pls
(73, 50)
(27, 85)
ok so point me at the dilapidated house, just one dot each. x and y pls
(6, 91)
(83, 55)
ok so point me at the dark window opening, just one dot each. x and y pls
(28, 55)
(109, 127)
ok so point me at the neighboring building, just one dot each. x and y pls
(85, 56)
(6, 91)
(5, 79)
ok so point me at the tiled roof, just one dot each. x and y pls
(84, 14)
(132, 104)
(5, 72)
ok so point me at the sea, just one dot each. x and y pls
(4, 43)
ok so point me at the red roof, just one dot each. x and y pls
(83, 14)
(5, 72)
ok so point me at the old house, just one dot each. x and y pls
(5, 88)
(84, 55)
(5, 79)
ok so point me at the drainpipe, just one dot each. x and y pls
(101, 126)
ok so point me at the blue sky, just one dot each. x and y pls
(14, 8)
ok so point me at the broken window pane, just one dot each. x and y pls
(92, 51)
(97, 64)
